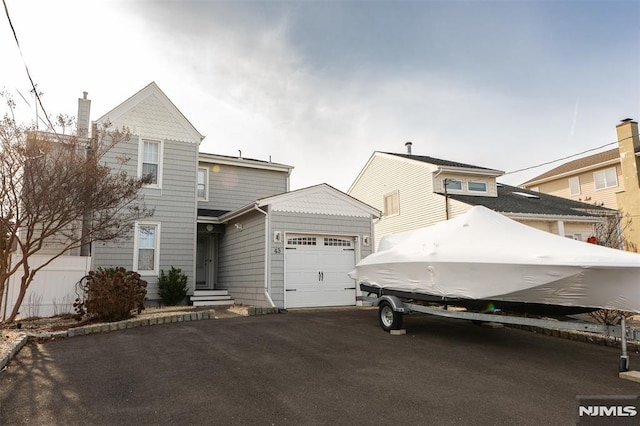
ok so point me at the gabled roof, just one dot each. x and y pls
(590, 162)
(519, 201)
(318, 199)
(151, 113)
(440, 162)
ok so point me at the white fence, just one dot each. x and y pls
(53, 289)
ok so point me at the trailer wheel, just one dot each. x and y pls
(389, 319)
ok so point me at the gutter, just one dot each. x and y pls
(551, 217)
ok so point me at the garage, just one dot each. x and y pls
(316, 271)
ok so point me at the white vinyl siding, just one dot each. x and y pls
(146, 248)
(606, 178)
(392, 204)
(203, 184)
(574, 185)
(150, 161)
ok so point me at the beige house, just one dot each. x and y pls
(414, 191)
(608, 179)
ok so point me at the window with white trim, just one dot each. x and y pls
(606, 178)
(452, 184)
(337, 242)
(203, 184)
(476, 186)
(150, 163)
(302, 241)
(574, 185)
(146, 248)
(392, 204)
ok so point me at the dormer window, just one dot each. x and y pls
(477, 186)
(452, 184)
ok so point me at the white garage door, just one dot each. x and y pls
(316, 271)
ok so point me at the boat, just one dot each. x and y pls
(482, 260)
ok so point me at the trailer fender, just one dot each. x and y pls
(395, 302)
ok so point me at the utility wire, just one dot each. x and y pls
(565, 158)
(35, 91)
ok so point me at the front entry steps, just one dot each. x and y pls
(211, 298)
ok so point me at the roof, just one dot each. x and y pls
(151, 113)
(440, 162)
(512, 199)
(589, 162)
(243, 162)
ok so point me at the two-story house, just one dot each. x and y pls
(610, 178)
(232, 223)
(414, 191)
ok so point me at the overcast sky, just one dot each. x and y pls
(322, 85)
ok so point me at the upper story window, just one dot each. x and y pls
(392, 204)
(574, 185)
(452, 184)
(203, 184)
(146, 248)
(477, 186)
(151, 161)
(606, 178)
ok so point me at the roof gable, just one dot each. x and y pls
(151, 113)
(319, 199)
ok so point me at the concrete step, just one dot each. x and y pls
(211, 293)
(224, 297)
(213, 302)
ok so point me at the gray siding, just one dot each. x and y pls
(175, 210)
(232, 187)
(311, 223)
(241, 260)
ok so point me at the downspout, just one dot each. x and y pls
(267, 250)
(446, 195)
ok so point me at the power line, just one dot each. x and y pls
(566, 158)
(15, 36)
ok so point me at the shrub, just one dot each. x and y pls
(172, 288)
(111, 294)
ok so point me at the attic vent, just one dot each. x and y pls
(524, 194)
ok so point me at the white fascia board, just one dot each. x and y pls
(243, 162)
(553, 218)
(151, 88)
(469, 171)
(574, 172)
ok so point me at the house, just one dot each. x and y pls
(231, 223)
(414, 191)
(610, 179)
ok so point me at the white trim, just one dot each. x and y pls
(156, 255)
(206, 183)
(160, 142)
(243, 162)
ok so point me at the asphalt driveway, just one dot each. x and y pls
(308, 367)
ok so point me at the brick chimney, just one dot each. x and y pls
(84, 115)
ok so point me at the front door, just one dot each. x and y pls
(204, 262)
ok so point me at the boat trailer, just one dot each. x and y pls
(391, 310)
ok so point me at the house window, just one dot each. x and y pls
(574, 185)
(302, 241)
(606, 178)
(337, 242)
(476, 186)
(203, 184)
(146, 248)
(452, 184)
(151, 161)
(392, 204)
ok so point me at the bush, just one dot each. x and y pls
(172, 288)
(111, 294)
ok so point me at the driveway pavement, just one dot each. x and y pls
(308, 367)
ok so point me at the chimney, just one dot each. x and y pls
(408, 145)
(84, 115)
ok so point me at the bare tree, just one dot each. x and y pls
(59, 194)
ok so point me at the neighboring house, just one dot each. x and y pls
(610, 179)
(230, 222)
(414, 191)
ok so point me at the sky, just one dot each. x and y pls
(321, 85)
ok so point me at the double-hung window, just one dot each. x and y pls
(146, 248)
(202, 185)
(606, 178)
(151, 161)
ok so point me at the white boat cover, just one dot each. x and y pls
(485, 255)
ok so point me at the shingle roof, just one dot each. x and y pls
(580, 163)
(437, 161)
(537, 203)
